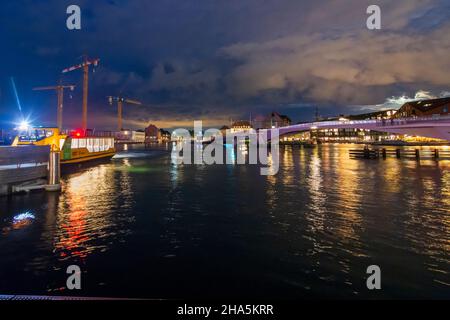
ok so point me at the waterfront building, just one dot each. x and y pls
(165, 135)
(378, 115)
(130, 136)
(152, 134)
(138, 136)
(341, 136)
(271, 121)
(424, 108)
(224, 130)
(351, 134)
(241, 126)
(421, 108)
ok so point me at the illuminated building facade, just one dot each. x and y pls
(131, 136)
(424, 108)
(152, 134)
(165, 135)
(241, 126)
(273, 120)
(341, 136)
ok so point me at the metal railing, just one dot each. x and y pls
(377, 122)
(23, 155)
(22, 164)
(412, 120)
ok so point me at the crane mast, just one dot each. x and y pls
(60, 93)
(85, 66)
(120, 101)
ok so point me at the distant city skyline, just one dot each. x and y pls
(188, 60)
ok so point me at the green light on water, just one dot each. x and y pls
(137, 169)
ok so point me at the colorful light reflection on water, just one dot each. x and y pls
(148, 227)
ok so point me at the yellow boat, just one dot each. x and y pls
(74, 147)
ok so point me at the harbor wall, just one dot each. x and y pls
(22, 164)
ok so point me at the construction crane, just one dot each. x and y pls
(120, 101)
(60, 92)
(85, 66)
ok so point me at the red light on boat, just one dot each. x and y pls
(77, 133)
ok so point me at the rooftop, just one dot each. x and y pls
(241, 123)
(425, 105)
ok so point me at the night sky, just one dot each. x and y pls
(215, 60)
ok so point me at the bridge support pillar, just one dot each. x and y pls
(54, 172)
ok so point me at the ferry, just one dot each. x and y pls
(75, 147)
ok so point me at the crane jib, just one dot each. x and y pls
(81, 65)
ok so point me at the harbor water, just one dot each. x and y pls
(141, 226)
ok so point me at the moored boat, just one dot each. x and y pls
(75, 147)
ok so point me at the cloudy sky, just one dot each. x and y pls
(214, 60)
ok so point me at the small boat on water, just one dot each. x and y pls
(75, 147)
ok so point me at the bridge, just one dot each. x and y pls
(430, 127)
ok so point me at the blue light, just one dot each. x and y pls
(16, 94)
(24, 125)
(24, 216)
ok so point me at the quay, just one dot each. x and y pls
(406, 153)
(26, 168)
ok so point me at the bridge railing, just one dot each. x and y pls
(412, 120)
(319, 124)
(379, 123)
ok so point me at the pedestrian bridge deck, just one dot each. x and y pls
(431, 127)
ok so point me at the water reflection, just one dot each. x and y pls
(89, 211)
(317, 196)
(349, 193)
(19, 221)
(314, 227)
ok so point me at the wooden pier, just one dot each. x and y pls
(23, 166)
(400, 153)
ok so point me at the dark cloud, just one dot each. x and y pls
(197, 59)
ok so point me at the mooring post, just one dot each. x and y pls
(383, 152)
(54, 171)
(397, 153)
(436, 153)
(417, 154)
(366, 153)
